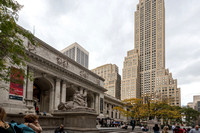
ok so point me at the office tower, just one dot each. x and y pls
(77, 53)
(196, 103)
(150, 43)
(130, 81)
(112, 79)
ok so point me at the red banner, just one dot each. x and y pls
(16, 83)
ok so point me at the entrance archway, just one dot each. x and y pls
(41, 94)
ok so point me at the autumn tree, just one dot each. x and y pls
(149, 108)
(12, 50)
(132, 108)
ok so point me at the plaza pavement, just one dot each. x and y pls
(119, 130)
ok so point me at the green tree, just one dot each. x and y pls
(190, 115)
(12, 50)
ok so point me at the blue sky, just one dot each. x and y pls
(105, 28)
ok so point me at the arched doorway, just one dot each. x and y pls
(41, 94)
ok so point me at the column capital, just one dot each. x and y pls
(57, 79)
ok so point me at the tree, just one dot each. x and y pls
(133, 108)
(12, 50)
(190, 115)
(149, 108)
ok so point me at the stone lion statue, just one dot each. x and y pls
(78, 102)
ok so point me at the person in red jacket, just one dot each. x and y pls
(178, 130)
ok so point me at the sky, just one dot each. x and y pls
(105, 28)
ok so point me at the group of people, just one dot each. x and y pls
(30, 125)
(107, 122)
(176, 129)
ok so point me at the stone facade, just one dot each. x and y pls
(55, 79)
(109, 111)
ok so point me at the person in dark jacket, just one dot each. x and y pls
(156, 129)
(133, 124)
(4, 127)
(60, 129)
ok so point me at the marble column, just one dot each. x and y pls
(97, 103)
(118, 115)
(51, 100)
(110, 110)
(57, 94)
(85, 94)
(114, 114)
(63, 92)
(93, 102)
(29, 92)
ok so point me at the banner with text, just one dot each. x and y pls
(16, 84)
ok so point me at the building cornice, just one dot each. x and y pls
(42, 43)
(43, 61)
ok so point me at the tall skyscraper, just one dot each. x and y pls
(77, 53)
(112, 79)
(150, 43)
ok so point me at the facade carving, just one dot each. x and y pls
(62, 62)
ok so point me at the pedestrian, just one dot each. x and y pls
(165, 129)
(133, 124)
(195, 130)
(156, 129)
(184, 130)
(108, 122)
(178, 130)
(60, 129)
(188, 130)
(145, 129)
(173, 127)
(31, 121)
(37, 110)
(4, 127)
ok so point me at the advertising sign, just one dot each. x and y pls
(16, 84)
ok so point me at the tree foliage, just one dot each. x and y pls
(12, 50)
(190, 115)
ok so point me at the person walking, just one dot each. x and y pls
(156, 129)
(37, 110)
(32, 122)
(4, 127)
(133, 124)
(195, 130)
(165, 129)
(178, 130)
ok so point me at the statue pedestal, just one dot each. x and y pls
(78, 121)
(151, 124)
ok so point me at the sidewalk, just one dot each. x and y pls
(119, 130)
